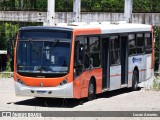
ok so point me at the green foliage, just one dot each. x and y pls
(64, 5)
(8, 67)
(157, 43)
(102, 5)
(156, 83)
(9, 30)
(87, 5)
(41, 5)
(5, 75)
(146, 6)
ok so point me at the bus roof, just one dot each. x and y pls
(96, 28)
(45, 28)
(115, 28)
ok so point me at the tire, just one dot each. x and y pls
(135, 81)
(91, 91)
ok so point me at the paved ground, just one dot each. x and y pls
(119, 100)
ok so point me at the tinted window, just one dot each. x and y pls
(148, 43)
(140, 43)
(132, 44)
(94, 44)
(26, 34)
(115, 42)
(140, 40)
(49, 57)
(81, 55)
(95, 51)
(114, 50)
(115, 57)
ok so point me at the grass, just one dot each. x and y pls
(156, 82)
(5, 75)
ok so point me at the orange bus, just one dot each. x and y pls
(79, 61)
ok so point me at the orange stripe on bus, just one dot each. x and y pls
(88, 31)
(15, 56)
(142, 70)
(115, 75)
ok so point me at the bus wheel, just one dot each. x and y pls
(91, 90)
(135, 81)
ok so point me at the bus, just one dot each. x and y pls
(82, 60)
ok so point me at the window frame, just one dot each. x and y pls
(144, 47)
(115, 49)
(99, 51)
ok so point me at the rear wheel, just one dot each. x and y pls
(135, 81)
(91, 90)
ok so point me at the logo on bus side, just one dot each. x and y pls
(136, 60)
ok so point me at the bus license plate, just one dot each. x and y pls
(41, 92)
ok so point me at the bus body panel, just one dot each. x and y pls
(65, 91)
(83, 81)
(115, 77)
(47, 82)
(148, 66)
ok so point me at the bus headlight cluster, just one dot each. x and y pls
(20, 81)
(65, 81)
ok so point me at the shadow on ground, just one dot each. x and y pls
(68, 103)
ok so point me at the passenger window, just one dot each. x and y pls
(95, 51)
(81, 55)
(140, 40)
(140, 43)
(148, 43)
(114, 50)
(132, 44)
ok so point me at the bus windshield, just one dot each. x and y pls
(43, 54)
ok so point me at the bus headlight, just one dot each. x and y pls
(20, 81)
(65, 81)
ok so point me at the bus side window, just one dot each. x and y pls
(132, 44)
(115, 58)
(95, 51)
(148, 43)
(81, 55)
(140, 43)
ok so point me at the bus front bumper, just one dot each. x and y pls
(64, 91)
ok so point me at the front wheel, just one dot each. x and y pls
(91, 90)
(135, 81)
